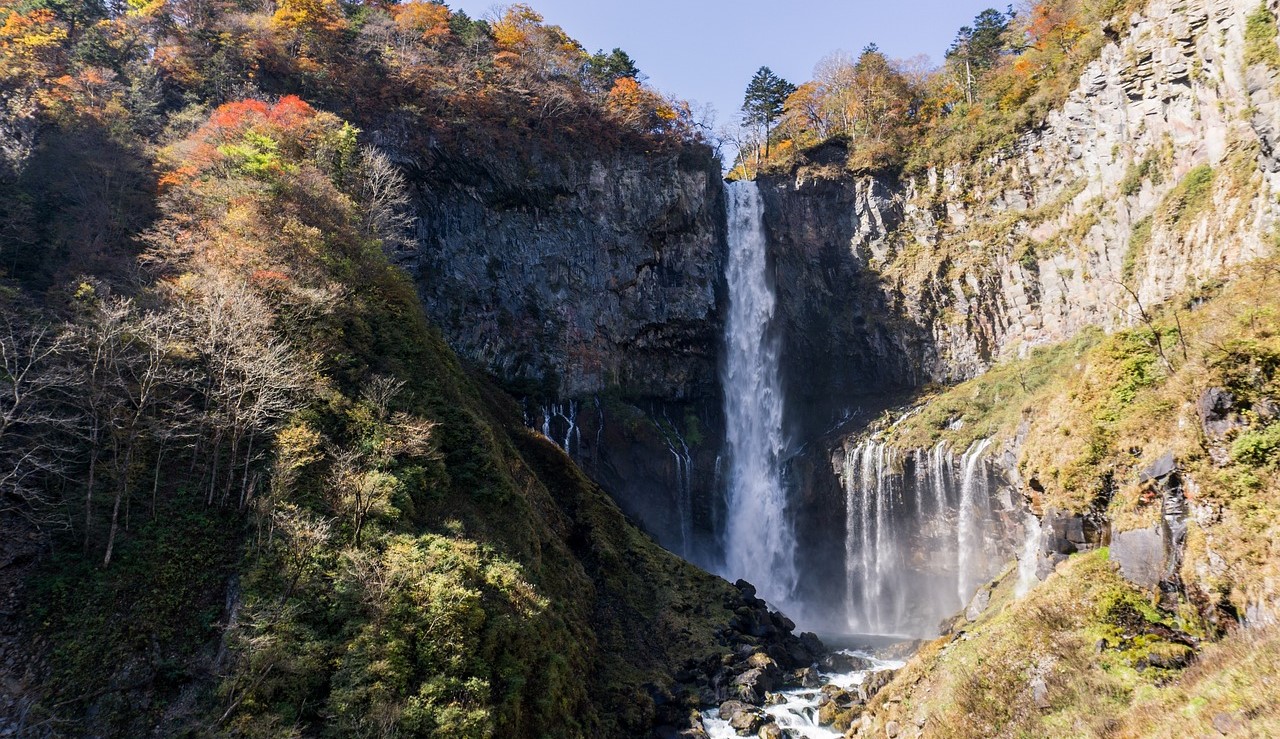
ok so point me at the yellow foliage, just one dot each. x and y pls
(516, 25)
(309, 16)
(426, 19)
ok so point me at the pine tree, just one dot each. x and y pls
(765, 98)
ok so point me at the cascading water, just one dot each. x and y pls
(973, 498)
(759, 544)
(1027, 559)
(921, 533)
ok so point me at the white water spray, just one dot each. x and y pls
(1032, 535)
(759, 542)
(917, 531)
(973, 493)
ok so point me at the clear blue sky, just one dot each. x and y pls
(707, 50)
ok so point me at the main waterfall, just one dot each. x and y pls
(759, 542)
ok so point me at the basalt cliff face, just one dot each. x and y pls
(591, 285)
(933, 276)
(1156, 178)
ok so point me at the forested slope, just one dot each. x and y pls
(247, 488)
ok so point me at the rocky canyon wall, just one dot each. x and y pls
(1157, 176)
(1089, 218)
(590, 283)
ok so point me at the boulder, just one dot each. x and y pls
(1216, 408)
(1159, 469)
(807, 677)
(746, 723)
(752, 685)
(843, 662)
(978, 604)
(874, 682)
(771, 731)
(1040, 693)
(1141, 556)
(837, 695)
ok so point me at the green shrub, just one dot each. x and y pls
(1258, 448)
(1189, 198)
(1138, 241)
(1260, 38)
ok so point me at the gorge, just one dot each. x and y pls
(367, 369)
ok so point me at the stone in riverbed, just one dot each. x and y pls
(771, 731)
(807, 678)
(843, 662)
(743, 718)
(752, 685)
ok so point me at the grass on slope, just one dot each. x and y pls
(1083, 654)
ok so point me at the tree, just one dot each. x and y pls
(30, 383)
(601, 71)
(978, 48)
(765, 100)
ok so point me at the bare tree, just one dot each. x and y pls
(31, 382)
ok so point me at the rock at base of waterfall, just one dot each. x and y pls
(806, 677)
(771, 731)
(838, 708)
(744, 719)
(977, 604)
(873, 683)
(843, 662)
(1141, 556)
(752, 685)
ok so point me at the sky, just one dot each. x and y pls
(705, 51)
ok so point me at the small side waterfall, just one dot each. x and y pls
(922, 532)
(1032, 538)
(758, 540)
(683, 461)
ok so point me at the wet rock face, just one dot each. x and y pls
(576, 275)
(842, 341)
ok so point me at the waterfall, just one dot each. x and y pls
(556, 414)
(683, 460)
(759, 542)
(916, 535)
(1032, 535)
(972, 485)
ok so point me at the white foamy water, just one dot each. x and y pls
(798, 713)
(759, 542)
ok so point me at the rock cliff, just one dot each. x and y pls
(591, 286)
(1100, 212)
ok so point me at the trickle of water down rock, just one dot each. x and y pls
(759, 543)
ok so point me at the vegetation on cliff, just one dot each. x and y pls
(1002, 75)
(273, 500)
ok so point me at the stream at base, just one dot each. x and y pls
(797, 713)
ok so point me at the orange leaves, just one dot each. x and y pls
(289, 123)
(638, 107)
(427, 20)
(516, 25)
(36, 29)
(313, 16)
(30, 46)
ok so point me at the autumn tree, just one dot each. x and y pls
(32, 384)
(601, 71)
